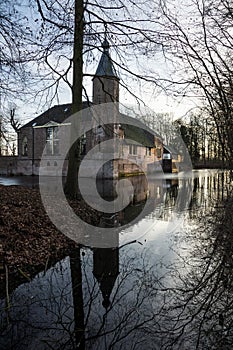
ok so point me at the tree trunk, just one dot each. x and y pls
(71, 186)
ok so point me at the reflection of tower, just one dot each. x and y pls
(106, 261)
(106, 270)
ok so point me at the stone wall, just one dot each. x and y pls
(36, 140)
(8, 165)
(105, 90)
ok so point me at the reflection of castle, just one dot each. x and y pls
(137, 192)
(106, 260)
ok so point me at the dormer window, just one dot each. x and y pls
(52, 142)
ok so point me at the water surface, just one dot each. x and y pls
(167, 286)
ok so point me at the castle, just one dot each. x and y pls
(143, 149)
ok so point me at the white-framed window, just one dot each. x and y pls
(25, 146)
(166, 156)
(52, 142)
(133, 149)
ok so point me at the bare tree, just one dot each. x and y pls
(9, 125)
(73, 34)
(18, 45)
(198, 44)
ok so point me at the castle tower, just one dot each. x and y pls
(105, 81)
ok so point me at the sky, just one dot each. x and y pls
(155, 102)
(155, 99)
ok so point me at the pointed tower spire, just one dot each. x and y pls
(105, 81)
(105, 67)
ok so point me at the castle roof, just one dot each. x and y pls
(133, 128)
(56, 114)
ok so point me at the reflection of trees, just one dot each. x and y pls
(128, 313)
(41, 314)
(193, 310)
(202, 306)
(208, 188)
(133, 297)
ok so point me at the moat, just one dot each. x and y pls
(167, 284)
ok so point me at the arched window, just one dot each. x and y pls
(25, 146)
